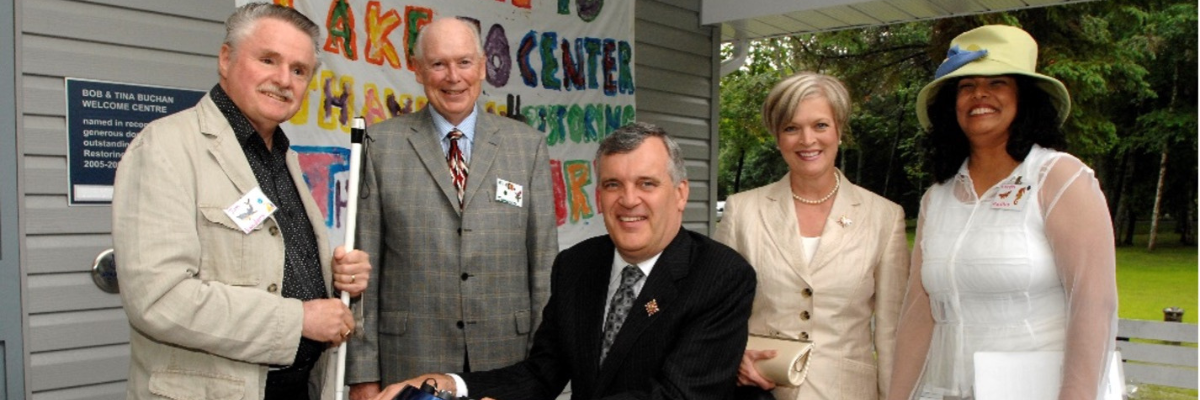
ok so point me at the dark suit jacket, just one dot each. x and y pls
(689, 349)
(446, 282)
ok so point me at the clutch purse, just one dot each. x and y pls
(790, 365)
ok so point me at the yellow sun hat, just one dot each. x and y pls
(992, 50)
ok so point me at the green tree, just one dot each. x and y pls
(882, 133)
(1167, 120)
(1130, 66)
(747, 158)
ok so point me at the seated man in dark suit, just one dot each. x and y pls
(677, 333)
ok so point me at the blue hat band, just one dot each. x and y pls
(956, 58)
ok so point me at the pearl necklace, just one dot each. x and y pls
(837, 183)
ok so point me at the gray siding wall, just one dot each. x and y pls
(677, 66)
(13, 332)
(78, 335)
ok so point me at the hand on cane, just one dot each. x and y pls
(351, 271)
(327, 320)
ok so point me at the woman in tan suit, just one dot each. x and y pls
(830, 255)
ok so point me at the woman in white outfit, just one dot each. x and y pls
(1014, 247)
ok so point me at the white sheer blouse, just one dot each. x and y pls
(991, 275)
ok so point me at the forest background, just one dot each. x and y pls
(1130, 66)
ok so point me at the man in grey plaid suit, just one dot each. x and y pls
(461, 283)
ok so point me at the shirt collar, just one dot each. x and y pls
(246, 135)
(619, 264)
(965, 172)
(467, 126)
(962, 169)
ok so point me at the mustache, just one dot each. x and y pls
(275, 90)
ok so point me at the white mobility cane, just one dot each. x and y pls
(357, 131)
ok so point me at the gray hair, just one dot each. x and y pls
(629, 137)
(780, 106)
(239, 25)
(419, 50)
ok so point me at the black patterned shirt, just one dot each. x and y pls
(302, 278)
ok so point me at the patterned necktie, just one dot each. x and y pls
(458, 165)
(622, 301)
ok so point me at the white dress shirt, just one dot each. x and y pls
(467, 127)
(614, 277)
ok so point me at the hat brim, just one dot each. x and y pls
(988, 67)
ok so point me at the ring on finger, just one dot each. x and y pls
(351, 278)
(347, 333)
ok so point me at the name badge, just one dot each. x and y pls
(509, 193)
(251, 210)
(1012, 197)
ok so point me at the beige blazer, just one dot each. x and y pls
(202, 297)
(859, 271)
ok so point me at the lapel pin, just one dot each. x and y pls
(844, 222)
(652, 307)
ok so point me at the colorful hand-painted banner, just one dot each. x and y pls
(566, 66)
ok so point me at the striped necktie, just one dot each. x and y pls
(458, 165)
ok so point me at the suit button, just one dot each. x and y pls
(272, 288)
(459, 324)
(803, 335)
(807, 292)
(466, 276)
(274, 230)
(804, 316)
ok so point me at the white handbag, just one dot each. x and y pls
(790, 365)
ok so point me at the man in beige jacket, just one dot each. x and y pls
(223, 256)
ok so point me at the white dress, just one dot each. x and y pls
(991, 274)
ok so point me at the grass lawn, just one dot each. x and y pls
(1152, 392)
(1147, 281)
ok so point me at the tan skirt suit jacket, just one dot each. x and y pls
(858, 273)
